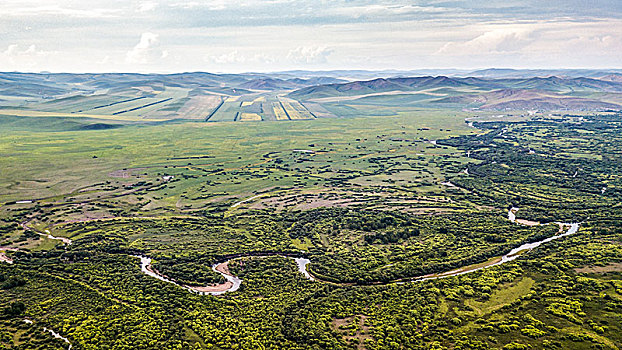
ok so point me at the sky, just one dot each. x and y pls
(165, 36)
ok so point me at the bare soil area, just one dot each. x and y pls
(354, 329)
(613, 267)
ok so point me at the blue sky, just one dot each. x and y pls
(270, 35)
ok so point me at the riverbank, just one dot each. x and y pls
(233, 283)
(6, 259)
(45, 234)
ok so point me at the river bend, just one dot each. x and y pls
(233, 283)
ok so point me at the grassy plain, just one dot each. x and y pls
(87, 164)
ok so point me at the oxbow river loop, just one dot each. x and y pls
(233, 283)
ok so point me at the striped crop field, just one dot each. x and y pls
(295, 110)
(279, 112)
(81, 104)
(226, 113)
(199, 107)
(250, 117)
(147, 106)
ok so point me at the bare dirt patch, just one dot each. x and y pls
(353, 329)
(4, 258)
(222, 268)
(215, 288)
(527, 222)
(613, 267)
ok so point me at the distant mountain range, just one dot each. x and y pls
(539, 73)
(550, 93)
(491, 73)
(197, 95)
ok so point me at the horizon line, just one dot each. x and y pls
(383, 70)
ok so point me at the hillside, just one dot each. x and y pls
(551, 93)
(251, 97)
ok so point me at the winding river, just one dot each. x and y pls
(233, 283)
(53, 332)
(45, 234)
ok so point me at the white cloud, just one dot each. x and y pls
(146, 51)
(210, 5)
(309, 54)
(218, 5)
(494, 41)
(375, 10)
(146, 6)
(605, 43)
(56, 10)
(264, 35)
(231, 57)
(16, 57)
(104, 60)
(234, 57)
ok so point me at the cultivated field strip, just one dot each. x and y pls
(116, 103)
(226, 112)
(215, 110)
(143, 106)
(279, 111)
(184, 103)
(250, 117)
(81, 103)
(196, 107)
(295, 110)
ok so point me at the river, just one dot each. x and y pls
(46, 234)
(53, 332)
(233, 283)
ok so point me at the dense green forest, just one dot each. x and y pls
(397, 208)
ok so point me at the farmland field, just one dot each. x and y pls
(295, 110)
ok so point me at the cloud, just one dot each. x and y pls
(213, 5)
(14, 57)
(390, 11)
(56, 10)
(309, 54)
(606, 43)
(13, 51)
(268, 35)
(234, 57)
(146, 51)
(146, 6)
(231, 57)
(496, 41)
(104, 60)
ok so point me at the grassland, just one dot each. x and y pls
(107, 164)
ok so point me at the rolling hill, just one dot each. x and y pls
(202, 96)
(550, 93)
